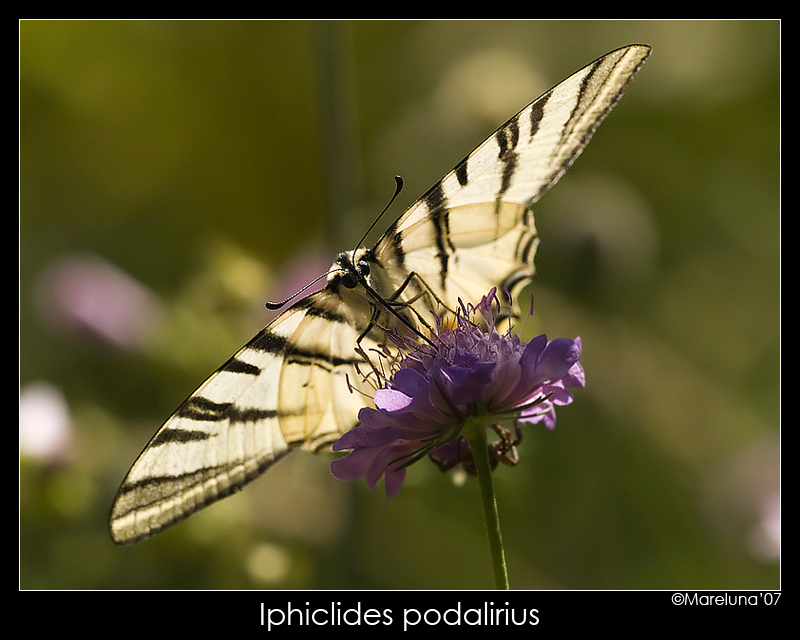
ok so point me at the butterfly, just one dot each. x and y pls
(297, 383)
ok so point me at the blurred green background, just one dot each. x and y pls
(176, 175)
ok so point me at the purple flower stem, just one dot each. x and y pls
(474, 432)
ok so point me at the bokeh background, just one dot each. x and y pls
(176, 175)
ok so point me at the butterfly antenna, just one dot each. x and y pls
(277, 305)
(398, 188)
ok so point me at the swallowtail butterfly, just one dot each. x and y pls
(296, 383)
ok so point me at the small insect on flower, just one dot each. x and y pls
(466, 371)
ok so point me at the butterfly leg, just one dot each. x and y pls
(376, 355)
(424, 289)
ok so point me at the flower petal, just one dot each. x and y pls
(558, 357)
(466, 385)
(549, 361)
(392, 400)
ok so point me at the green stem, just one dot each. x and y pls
(474, 432)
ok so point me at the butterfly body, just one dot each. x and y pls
(299, 382)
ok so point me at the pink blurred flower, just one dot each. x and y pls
(87, 295)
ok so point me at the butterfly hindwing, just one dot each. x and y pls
(299, 383)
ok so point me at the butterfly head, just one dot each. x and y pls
(350, 269)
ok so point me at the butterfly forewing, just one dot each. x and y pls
(298, 383)
(286, 388)
(466, 232)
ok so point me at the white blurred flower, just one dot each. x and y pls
(45, 427)
(765, 539)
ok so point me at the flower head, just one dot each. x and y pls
(463, 372)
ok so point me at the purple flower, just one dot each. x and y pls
(463, 372)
